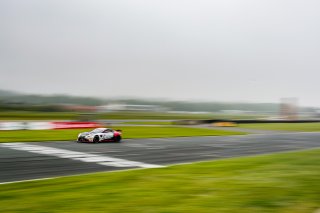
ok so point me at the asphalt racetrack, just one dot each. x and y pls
(35, 160)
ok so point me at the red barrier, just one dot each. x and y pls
(75, 125)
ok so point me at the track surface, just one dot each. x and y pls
(17, 165)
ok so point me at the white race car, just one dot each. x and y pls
(100, 135)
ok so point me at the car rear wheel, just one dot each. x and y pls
(117, 139)
(96, 139)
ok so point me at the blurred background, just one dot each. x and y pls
(164, 73)
(223, 57)
(24, 106)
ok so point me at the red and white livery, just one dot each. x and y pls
(100, 135)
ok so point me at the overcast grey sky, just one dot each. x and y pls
(225, 50)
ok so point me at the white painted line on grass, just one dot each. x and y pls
(28, 180)
(62, 176)
(79, 156)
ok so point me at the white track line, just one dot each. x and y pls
(79, 156)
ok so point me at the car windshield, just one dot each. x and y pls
(98, 130)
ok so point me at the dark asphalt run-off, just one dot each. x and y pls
(19, 165)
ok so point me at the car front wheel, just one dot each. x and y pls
(96, 139)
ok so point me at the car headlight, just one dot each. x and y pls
(79, 134)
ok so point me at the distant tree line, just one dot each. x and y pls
(52, 103)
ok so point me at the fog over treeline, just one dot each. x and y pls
(235, 50)
(8, 99)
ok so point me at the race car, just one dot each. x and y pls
(100, 135)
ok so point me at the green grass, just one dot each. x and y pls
(128, 132)
(21, 115)
(286, 182)
(170, 116)
(25, 115)
(148, 122)
(299, 127)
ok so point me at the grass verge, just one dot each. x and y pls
(148, 122)
(298, 127)
(286, 182)
(128, 132)
(25, 115)
(21, 115)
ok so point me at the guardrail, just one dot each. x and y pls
(241, 121)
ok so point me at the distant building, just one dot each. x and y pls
(289, 108)
(130, 107)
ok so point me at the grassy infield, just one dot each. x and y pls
(115, 115)
(147, 132)
(128, 132)
(286, 182)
